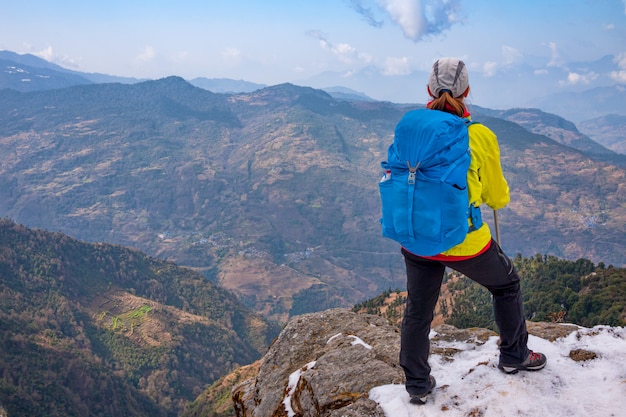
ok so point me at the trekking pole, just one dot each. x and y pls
(495, 223)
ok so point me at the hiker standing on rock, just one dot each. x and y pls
(478, 256)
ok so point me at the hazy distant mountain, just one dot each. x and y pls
(24, 77)
(402, 88)
(344, 93)
(585, 105)
(31, 61)
(271, 193)
(226, 85)
(503, 88)
(608, 130)
(30, 73)
(563, 131)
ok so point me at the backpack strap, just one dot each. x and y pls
(475, 217)
(473, 213)
(411, 181)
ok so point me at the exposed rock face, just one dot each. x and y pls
(324, 364)
(550, 331)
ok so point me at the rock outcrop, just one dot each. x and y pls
(326, 363)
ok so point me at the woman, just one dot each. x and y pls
(478, 257)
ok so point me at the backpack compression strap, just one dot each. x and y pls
(411, 181)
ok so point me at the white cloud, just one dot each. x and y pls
(574, 78)
(148, 54)
(555, 59)
(490, 68)
(620, 59)
(231, 55)
(408, 15)
(365, 58)
(396, 66)
(46, 54)
(344, 52)
(421, 18)
(63, 60)
(510, 57)
(620, 75)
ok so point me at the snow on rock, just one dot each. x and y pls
(339, 363)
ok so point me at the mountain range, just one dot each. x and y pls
(598, 111)
(273, 193)
(609, 131)
(576, 103)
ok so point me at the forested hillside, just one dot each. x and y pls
(554, 289)
(103, 330)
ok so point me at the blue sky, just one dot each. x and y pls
(271, 42)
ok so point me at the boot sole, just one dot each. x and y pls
(515, 369)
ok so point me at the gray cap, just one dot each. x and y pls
(448, 74)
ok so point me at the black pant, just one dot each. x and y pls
(492, 269)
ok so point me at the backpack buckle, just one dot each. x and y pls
(412, 171)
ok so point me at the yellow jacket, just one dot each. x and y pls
(486, 184)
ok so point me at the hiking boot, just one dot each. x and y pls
(534, 362)
(420, 399)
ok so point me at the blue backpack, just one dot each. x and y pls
(425, 203)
